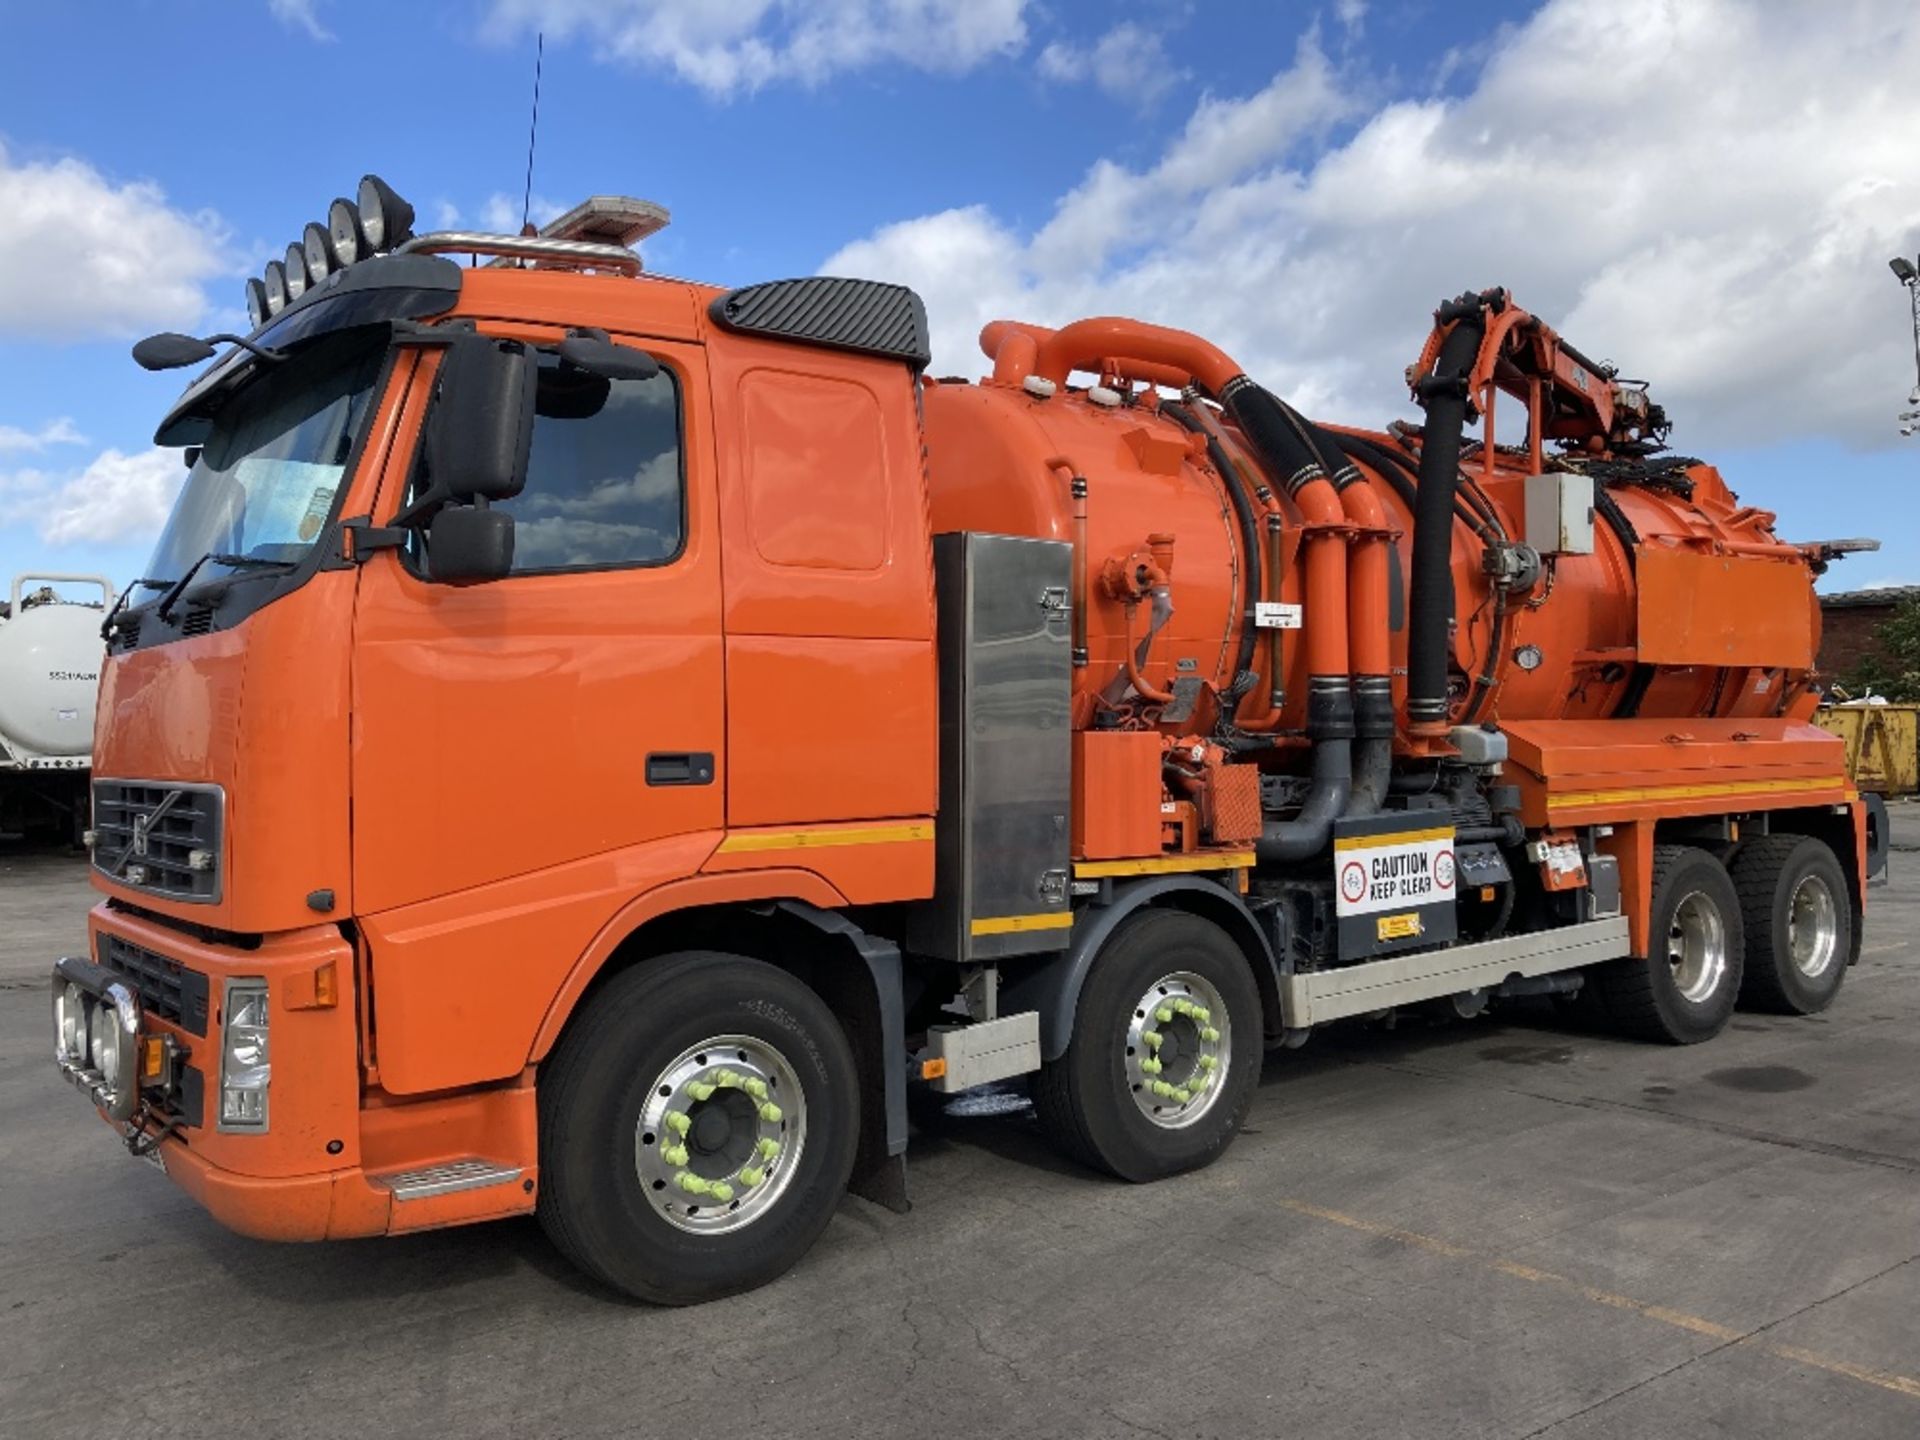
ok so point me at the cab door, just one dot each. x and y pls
(573, 709)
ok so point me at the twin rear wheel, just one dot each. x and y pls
(1774, 932)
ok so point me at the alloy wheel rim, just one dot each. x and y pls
(1697, 947)
(1813, 927)
(1179, 1046)
(720, 1134)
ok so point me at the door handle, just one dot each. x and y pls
(680, 767)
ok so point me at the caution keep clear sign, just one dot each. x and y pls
(1393, 872)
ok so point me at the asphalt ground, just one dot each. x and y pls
(1505, 1228)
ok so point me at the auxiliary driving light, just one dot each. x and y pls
(296, 268)
(72, 1020)
(275, 282)
(257, 310)
(385, 219)
(317, 243)
(343, 228)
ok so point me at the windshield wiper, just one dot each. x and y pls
(113, 615)
(233, 562)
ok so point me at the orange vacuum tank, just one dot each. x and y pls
(1603, 580)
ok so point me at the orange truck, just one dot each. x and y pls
(589, 743)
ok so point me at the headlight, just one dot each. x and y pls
(296, 268)
(245, 1066)
(343, 228)
(385, 219)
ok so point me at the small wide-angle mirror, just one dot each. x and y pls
(592, 351)
(467, 545)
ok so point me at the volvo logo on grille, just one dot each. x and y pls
(140, 840)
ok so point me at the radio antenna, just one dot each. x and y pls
(533, 131)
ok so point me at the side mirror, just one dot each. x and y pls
(467, 545)
(169, 351)
(593, 352)
(482, 425)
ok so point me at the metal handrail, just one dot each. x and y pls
(528, 247)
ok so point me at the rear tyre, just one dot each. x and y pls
(697, 1127)
(1165, 1052)
(1684, 991)
(1799, 923)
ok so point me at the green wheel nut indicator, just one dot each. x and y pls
(768, 1147)
(678, 1122)
(674, 1154)
(770, 1112)
(1163, 1015)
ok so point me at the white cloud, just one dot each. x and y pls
(55, 432)
(116, 498)
(82, 257)
(1706, 193)
(299, 15)
(729, 46)
(1352, 15)
(501, 214)
(1128, 63)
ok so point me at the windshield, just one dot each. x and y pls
(274, 457)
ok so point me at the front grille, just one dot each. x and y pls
(166, 988)
(147, 833)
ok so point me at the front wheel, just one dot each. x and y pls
(1165, 1053)
(697, 1127)
(1684, 991)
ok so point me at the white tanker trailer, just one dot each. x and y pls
(50, 653)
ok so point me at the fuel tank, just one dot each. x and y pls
(1669, 598)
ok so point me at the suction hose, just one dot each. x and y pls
(1430, 587)
(1330, 716)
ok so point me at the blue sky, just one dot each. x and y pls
(1302, 182)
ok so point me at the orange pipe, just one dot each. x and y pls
(1369, 579)
(1085, 343)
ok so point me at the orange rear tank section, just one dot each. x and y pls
(1576, 646)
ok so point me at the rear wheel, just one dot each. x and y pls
(1799, 923)
(1165, 1052)
(697, 1127)
(1684, 991)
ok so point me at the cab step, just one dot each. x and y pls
(472, 1173)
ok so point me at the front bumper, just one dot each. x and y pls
(335, 1158)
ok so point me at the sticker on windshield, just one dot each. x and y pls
(318, 504)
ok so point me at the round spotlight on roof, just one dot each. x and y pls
(343, 228)
(297, 278)
(385, 218)
(317, 242)
(274, 282)
(257, 311)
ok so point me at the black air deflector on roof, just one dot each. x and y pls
(868, 316)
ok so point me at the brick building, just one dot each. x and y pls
(1848, 621)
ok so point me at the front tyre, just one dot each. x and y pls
(1684, 991)
(1165, 1053)
(1799, 923)
(698, 1124)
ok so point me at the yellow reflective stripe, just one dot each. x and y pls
(1396, 837)
(1164, 865)
(1009, 924)
(920, 830)
(1581, 799)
